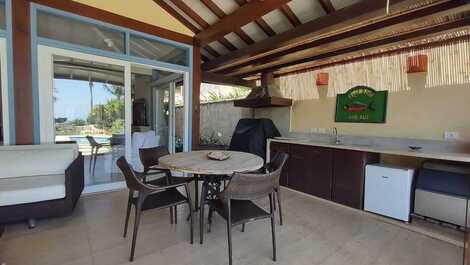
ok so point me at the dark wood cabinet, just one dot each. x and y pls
(349, 175)
(328, 173)
(310, 170)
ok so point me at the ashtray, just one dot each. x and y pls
(415, 148)
(218, 155)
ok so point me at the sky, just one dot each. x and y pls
(73, 98)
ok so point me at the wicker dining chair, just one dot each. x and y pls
(95, 146)
(149, 158)
(145, 196)
(278, 161)
(236, 202)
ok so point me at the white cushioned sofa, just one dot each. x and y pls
(38, 181)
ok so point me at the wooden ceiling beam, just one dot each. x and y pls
(240, 17)
(201, 22)
(343, 20)
(393, 24)
(376, 44)
(260, 21)
(327, 6)
(396, 48)
(290, 15)
(214, 8)
(218, 79)
(211, 51)
(177, 15)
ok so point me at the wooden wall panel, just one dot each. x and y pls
(196, 93)
(22, 79)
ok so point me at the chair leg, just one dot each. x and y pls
(201, 212)
(243, 227)
(196, 193)
(273, 226)
(138, 213)
(94, 163)
(171, 215)
(229, 238)
(128, 213)
(91, 159)
(211, 213)
(176, 214)
(278, 197)
(191, 213)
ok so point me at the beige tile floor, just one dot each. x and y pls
(314, 232)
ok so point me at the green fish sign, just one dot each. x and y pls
(361, 104)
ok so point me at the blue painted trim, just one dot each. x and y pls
(36, 40)
(108, 25)
(102, 53)
(190, 101)
(35, 81)
(11, 92)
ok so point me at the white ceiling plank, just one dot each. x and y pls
(255, 32)
(228, 6)
(219, 47)
(338, 4)
(235, 40)
(202, 11)
(278, 22)
(306, 10)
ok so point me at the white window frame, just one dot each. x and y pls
(46, 85)
(4, 91)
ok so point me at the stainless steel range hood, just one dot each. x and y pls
(265, 96)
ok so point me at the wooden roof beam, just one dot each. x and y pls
(290, 15)
(259, 21)
(177, 15)
(242, 16)
(214, 8)
(212, 78)
(327, 6)
(375, 44)
(392, 24)
(355, 14)
(201, 22)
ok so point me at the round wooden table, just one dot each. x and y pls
(197, 162)
(210, 171)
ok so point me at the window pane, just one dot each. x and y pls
(89, 109)
(155, 50)
(2, 15)
(78, 32)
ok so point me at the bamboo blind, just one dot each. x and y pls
(448, 64)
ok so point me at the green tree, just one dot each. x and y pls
(108, 116)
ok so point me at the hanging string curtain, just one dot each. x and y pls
(448, 65)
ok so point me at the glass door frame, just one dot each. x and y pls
(4, 90)
(46, 103)
(172, 109)
(45, 70)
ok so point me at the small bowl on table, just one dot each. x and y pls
(218, 155)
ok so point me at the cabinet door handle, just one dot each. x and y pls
(384, 177)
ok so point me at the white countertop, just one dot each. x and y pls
(423, 153)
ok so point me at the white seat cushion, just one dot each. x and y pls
(31, 189)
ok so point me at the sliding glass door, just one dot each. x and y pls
(110, 108)
(86, 99)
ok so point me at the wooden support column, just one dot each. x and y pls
(22, 79)
(196, 94)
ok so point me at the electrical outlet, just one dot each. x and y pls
(451, 136)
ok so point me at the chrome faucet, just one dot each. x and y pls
(336, 137)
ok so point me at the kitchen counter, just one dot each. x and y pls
(401, 151)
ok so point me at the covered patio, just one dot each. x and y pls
(234, 132)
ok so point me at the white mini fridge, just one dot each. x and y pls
(388, 191)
